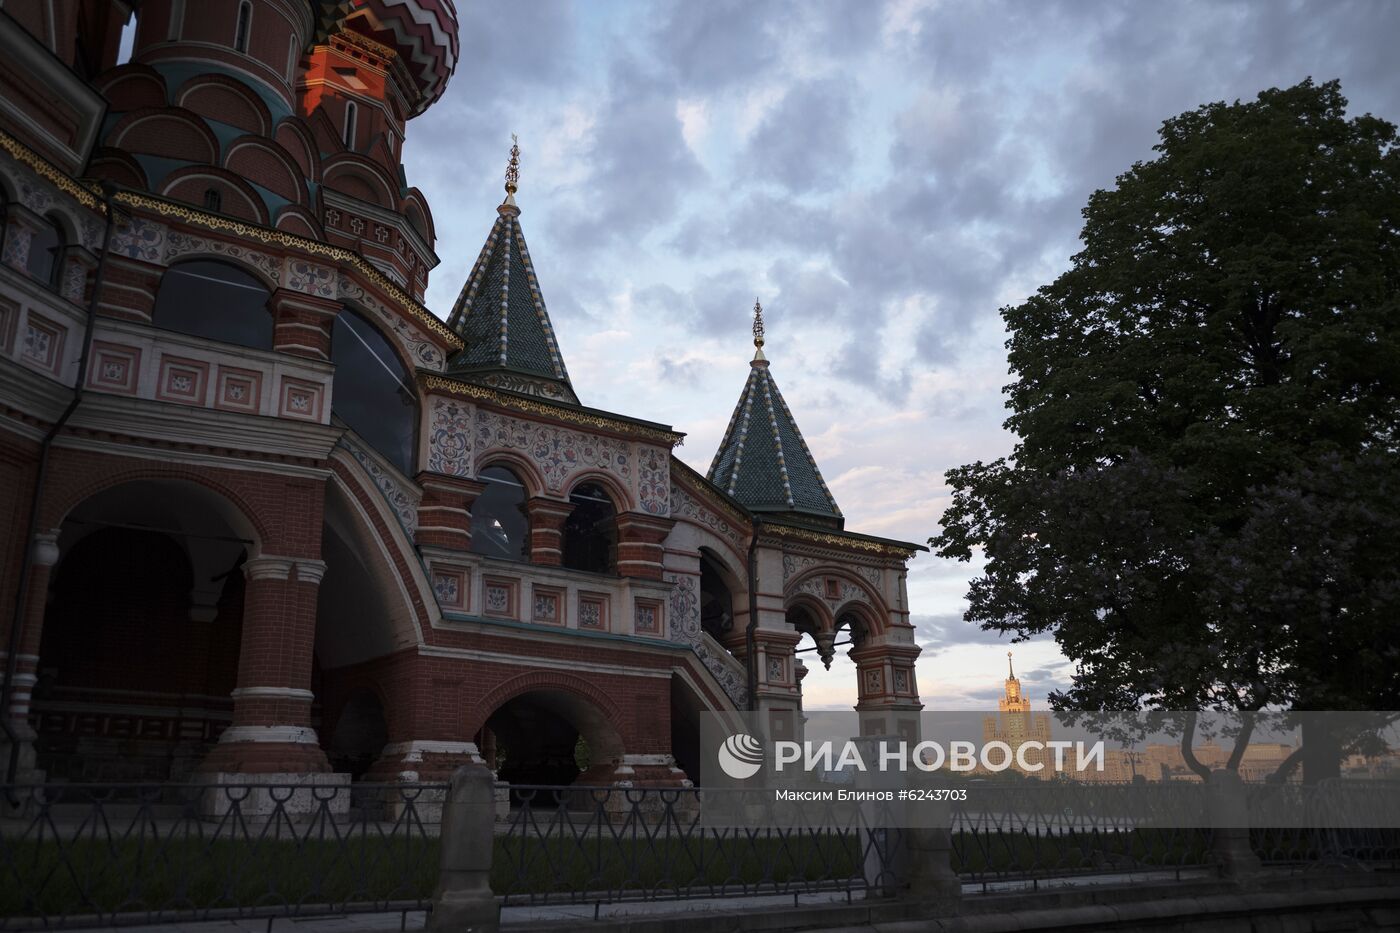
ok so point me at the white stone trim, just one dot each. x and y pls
(288, 735)
(310, 570)
(415, 750)
(269, 567)
(649, 761)
(285, 693)
(138, 451)
(46, 548)
(536, 663)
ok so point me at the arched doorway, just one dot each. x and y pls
(140, 646)
(359, 734)
(550, 737)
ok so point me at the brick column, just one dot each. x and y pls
(271, 731)
(129, 288)
(444, 514)
(547, 518)
(27, 667)
(639, 544)
(303, 323)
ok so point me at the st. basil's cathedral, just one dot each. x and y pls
(268, 517)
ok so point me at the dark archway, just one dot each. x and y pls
(500, 526)
(550, 737)
(716, 599)
(46, 248)
(359, 736)
(140, 646)
(590, 532)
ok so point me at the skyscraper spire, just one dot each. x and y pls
(1010, 674)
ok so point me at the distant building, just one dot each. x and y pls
(1016, 725)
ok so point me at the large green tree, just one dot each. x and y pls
(1203, 506)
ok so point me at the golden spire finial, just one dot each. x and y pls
(513, 166)
(1010, 674)
(758, 331)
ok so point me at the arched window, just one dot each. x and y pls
(213, 200)
(46, 252)
(500, 527)
(245, 25)
(212, 299)
(590, 533)
(351, 113)
(372, 392)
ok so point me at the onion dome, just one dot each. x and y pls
(763, 461)
(423, 32)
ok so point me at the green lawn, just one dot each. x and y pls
(89, 876)
(184, 874)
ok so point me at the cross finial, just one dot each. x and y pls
(513, 166)
(1010, 674)
(758, 331)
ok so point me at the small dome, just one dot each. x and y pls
(423, 32)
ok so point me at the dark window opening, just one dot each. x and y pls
(245, 22)
(46, 252)
(351, 112)
(371, 392)
(211, 299)
(500, 527)
(213, 200)
(716, 601)
(590, 533)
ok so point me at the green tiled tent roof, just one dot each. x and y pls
(500, 312)
(763, 462)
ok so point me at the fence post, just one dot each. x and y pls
(1230, 844)
(928, 860)
(464, 901)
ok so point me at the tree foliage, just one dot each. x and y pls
(1204, 503)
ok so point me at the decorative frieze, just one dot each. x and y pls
(686, 506)
(450, 437)
(685, 629)
(654, 480)
(386, 482)
(558, 452)
(593, 612)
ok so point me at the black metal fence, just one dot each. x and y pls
(100, 855)
(1034, 830)
(609, 844)
(97, 855)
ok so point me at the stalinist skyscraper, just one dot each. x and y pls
(1015, 725)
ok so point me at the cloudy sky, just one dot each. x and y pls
(883, 175)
